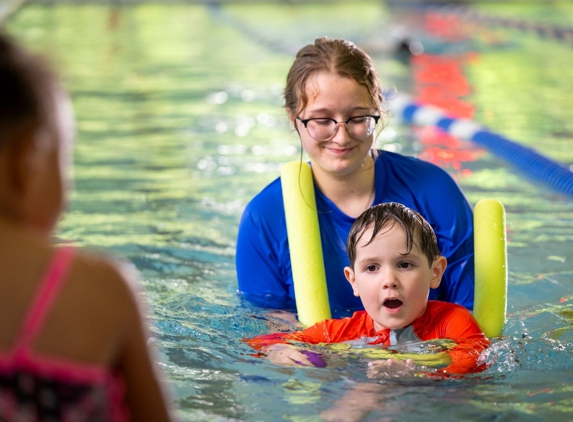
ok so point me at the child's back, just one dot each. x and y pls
(92, 294)
(72, 339)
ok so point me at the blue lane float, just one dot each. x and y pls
(527, 160)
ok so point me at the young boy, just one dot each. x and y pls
(394, 261)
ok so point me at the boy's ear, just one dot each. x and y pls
(349, 273)
(438, 267)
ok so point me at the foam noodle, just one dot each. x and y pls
(304, 243)
(434, 359)
(490, 266)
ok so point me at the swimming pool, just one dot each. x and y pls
(180, 124)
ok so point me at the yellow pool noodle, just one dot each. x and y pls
(303, 232)
(490, 249)
(428, 359)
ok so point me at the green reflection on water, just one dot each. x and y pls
(180, 124)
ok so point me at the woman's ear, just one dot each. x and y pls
(438, 267)
(291, 116)
(349, 273)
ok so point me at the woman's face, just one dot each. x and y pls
(338, 98)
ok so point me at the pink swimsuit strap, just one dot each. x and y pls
(47, 292)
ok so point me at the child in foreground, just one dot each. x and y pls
(394, 261)
(73, 343)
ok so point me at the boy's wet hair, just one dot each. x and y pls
(418, 231)
(27, 87)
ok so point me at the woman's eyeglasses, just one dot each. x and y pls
(324, 128)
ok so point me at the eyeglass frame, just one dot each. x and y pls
(305, 123)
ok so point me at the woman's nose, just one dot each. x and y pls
(341, 135)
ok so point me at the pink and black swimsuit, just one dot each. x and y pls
(35, 387)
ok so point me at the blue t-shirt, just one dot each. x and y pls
(263, 257)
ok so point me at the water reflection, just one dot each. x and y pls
(181, 123)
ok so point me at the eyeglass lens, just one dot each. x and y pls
(323, 129)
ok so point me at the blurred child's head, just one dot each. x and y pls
(394, 261)
(36, 130)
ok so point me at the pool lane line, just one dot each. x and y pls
(555, 32)
(527, 160)
(469, 14)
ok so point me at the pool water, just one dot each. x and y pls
(180, 123)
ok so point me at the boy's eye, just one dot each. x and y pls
(371, 268)
(405, 265)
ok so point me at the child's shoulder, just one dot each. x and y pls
(440, 304)
(449, 320)
(438, 308)
(107, 278)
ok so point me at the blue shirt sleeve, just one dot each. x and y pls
(263, 270)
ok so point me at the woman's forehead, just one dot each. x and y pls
(325, 90)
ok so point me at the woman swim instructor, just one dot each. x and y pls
(333, 99)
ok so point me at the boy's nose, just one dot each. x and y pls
(390, 281)
(390, 285)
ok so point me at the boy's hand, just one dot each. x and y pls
(285, 354)
(390, 368)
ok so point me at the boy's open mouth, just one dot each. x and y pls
(392, 303)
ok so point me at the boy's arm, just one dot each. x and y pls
(286, 354)
(275, 348)
(461, 326)
(312, 335)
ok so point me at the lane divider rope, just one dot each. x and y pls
(533, 164)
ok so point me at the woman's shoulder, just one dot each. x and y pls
(415, 173)
(397, 160)
(267, 204)
(270, 193)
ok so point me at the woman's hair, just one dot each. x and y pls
(339, 57)
(418, 231)
(27, 88)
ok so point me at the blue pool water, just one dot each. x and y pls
(180, 123)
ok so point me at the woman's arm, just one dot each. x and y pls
(263, 276)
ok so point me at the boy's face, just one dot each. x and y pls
(393, 287)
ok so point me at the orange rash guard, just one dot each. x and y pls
(440, 320)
